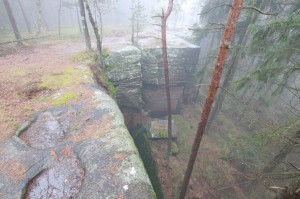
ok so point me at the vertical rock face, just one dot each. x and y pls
(139, 74)
(182, 62)
(124, 71)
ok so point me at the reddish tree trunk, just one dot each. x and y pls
(164, 19)
(237, 6)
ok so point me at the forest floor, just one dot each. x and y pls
(36, 78)
(211, 173)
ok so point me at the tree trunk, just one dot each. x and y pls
(12, 20)
(95, 28)
(39, 21)
(59, 12)
(237, 6)
(25, 17)
(84, 26)
(164, 19)
(132, 22)
(78, 19)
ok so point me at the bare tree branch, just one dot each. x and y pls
(297, 168)
(260, 11)
(245, 7)
(203, 13)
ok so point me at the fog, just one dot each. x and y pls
(250, 146)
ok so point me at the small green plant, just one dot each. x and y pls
(111, 88)
(162, 133)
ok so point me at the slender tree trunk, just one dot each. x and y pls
(39, 21)
(133, 22)
(164, 19)
(78, 19)
(237, 6)
(34, 20)
(25, 16)
(12, 20)
(84, 26)
(101, 26)
(95, 28)
(59, 13)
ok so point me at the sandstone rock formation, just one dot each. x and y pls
(139, 74)
(81, 151)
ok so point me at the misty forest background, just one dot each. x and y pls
(254, 125)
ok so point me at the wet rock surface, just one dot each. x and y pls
(49, 128)
(63, 180)
(80, 151)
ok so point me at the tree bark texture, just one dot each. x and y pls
(164, 19)
(39, 20)
(12, 20)
(84, 26)
(237, 6)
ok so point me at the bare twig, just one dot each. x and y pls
(260, 11)
(203, 13)
(245, 7)
(156, 16)
(297, 168)
(155, 24)
(230, 186)
(199, 29)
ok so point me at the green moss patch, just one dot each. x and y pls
(68, 77)
(62, 100)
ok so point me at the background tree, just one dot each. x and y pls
(25, 16)
(12, 20)
(39, 18)
(164, 19)
(95, 28)
(137, 19)
(84, 26)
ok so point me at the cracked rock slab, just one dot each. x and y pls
(79, 151)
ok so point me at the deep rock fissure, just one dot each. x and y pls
(137, 73)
